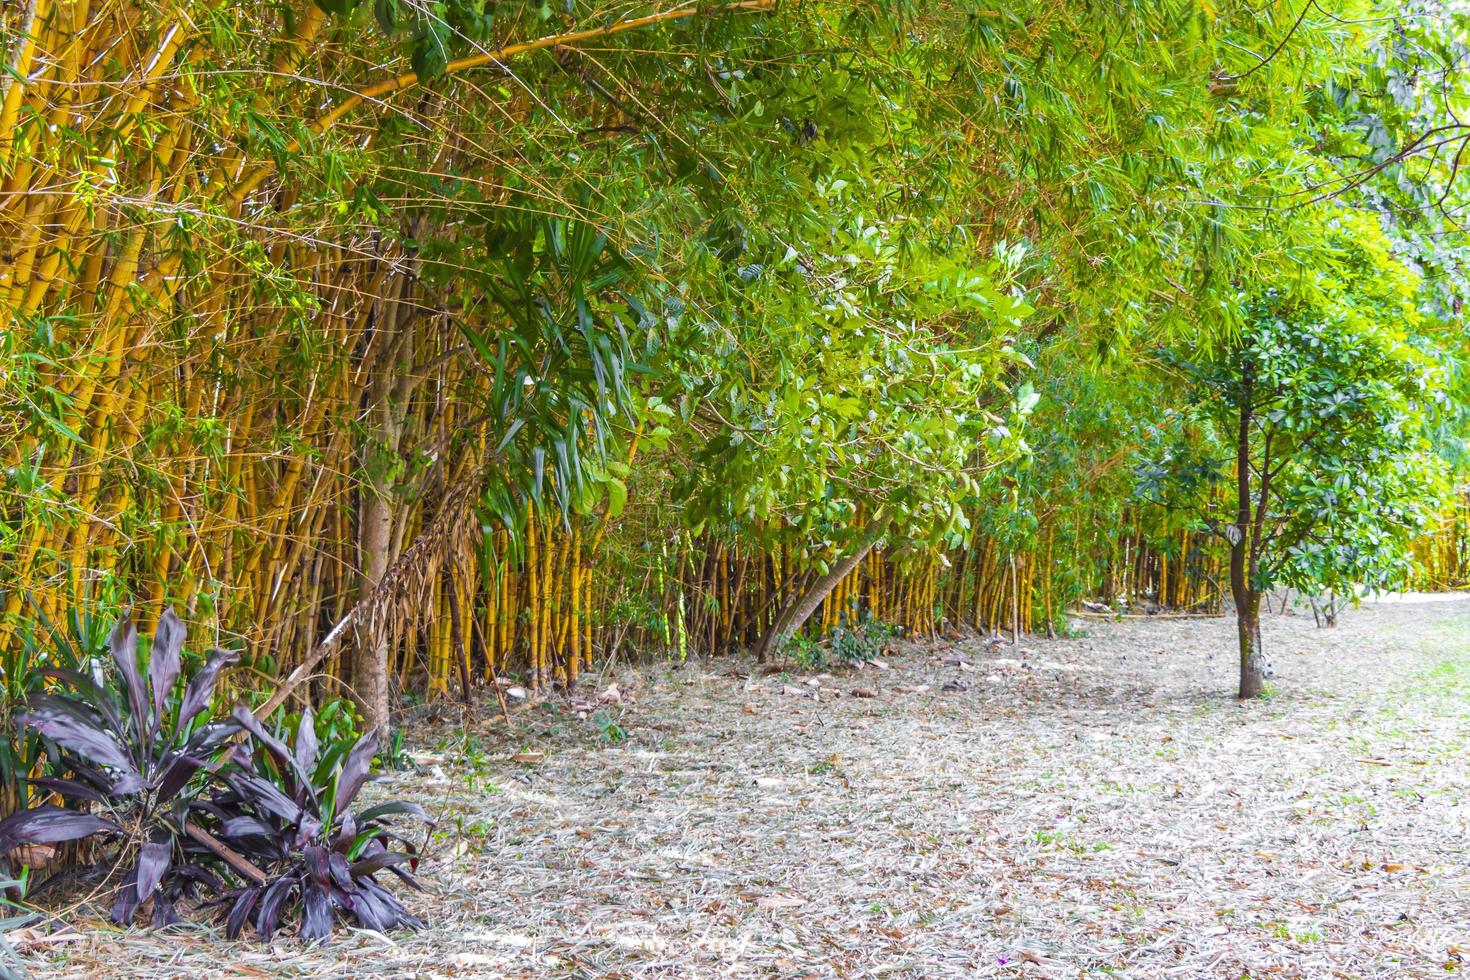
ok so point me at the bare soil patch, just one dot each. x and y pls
(1082, 807)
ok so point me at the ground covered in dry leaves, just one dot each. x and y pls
(1095, 806)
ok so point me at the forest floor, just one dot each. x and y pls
(1092, 806)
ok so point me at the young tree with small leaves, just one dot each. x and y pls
(1316, 415)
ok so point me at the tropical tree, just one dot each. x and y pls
(1304, 441)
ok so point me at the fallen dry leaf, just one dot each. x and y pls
(31, 937)
(33, 855)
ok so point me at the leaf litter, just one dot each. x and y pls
(1081, 807)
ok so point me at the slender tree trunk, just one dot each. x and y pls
(388, 397)
(1252, 663)
(799, 607)
(1243, 546)
(370, 661)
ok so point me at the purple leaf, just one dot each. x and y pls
(284, 756)
(316, 914)
(127, 899)
(316, 864)
(242, 826)
(307, 830)
(70, 728)
(193, 876)
(50, 825)
(176, 775)
(124, 646)
(208, 737)
(395, 808)
(371, 912)
(355, 770)
(341, 872)
(264, 796)
(346, 832)
(164, 913)
(200, 691)
(240, 911)
(275, 896)
(377, 862)
(70, 789)
(385, 899)
(164, 664)
(97, 698)
(153, 863)
(405, 877)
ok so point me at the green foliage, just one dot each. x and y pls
(844, 644)
(880, 396)
(1335, 397)
(855, 645)
(25, 672)
(608, 729)
(805, 652)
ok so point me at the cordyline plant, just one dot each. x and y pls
(130, 756)
(167, 784)
(287, 810)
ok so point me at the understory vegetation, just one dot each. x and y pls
(364, 355)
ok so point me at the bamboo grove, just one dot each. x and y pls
(306, 314)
